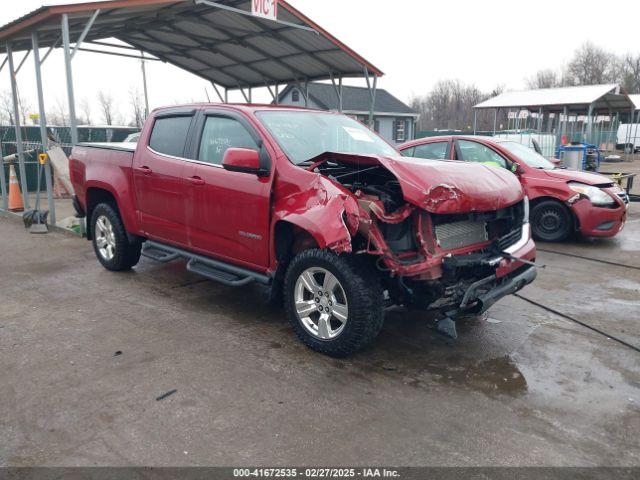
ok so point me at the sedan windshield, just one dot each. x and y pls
(304, 135)
(528, 155)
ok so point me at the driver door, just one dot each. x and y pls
(229, 212)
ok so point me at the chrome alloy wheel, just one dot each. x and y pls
(321, 303)
(105, 239)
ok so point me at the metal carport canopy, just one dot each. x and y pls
(217, 40)
(602, 98)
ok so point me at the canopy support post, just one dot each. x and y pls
(215, 87)
(144, 85)
(43, 128)
(66, 43)
(338, 89)
(84, 33)
(16, 114)
(475, 120)
(277, 89)
(372, 86)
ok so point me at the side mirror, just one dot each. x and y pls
(243, 160)
(556, 162)
(517, 169)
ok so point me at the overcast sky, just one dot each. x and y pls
(415, 42)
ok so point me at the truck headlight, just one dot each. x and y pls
(526, 210)
(596, 196)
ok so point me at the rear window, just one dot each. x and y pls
(169, 135)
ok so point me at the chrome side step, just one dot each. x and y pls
(222, 272)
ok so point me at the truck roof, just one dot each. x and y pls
(246, 107)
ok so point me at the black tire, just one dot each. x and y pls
(125, 254)
(361, 286)
(551, 221)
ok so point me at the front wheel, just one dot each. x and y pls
(333, 302)
(551, 221)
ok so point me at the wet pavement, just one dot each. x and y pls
(520, 386)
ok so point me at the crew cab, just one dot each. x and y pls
(312, 204)
(562, 201)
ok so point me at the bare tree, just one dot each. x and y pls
(592, 65)
(85, 111)
(6, 107)
(137, 108)
(107, 107)
(630, 75)
(58, 114)
(546, 78)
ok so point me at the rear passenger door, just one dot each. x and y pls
(229, 212)
(159, 177)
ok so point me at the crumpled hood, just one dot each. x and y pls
(444, 186)
(578, 176)
(448, 187)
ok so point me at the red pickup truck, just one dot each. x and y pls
(312, 204)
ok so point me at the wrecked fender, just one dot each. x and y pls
(328, 213)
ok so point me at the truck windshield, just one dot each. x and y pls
(305, 135)
(528, 155)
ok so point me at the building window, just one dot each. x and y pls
(400, 130)
(295, 95)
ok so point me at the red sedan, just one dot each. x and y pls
(561, 201)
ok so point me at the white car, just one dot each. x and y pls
(628, 137)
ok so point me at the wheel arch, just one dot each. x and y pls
(97, 194)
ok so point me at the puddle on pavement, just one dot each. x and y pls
(408, 350)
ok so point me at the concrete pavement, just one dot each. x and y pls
(520, 386)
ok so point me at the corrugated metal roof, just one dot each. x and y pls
(354, 99)
(225, 47)
(604, 96)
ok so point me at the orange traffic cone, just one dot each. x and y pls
(15, 196)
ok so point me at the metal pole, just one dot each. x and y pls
(144, 85)
(69, 75)
(589, 124)
(43, 128)
(495, 120)
(16, 114)
(340, 90)
(277, 89)
(475, 120)
(3, 185)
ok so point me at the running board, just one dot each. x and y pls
(207, 267)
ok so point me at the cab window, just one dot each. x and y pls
(219, 134)
(169, 135)
(434, 151)
(476, 152)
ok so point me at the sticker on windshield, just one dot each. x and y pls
(359, 135)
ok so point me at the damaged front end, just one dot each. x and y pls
(448, 238)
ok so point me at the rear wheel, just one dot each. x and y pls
(110, 242)
(333, 302)
(551, 221)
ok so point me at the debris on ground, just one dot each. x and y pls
(165, 395)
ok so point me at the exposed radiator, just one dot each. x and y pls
(460, 234)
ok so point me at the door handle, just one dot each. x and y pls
(196, 181)
(145, 170)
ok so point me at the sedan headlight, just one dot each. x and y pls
(596, 196)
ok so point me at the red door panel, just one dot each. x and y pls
(229, 214)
